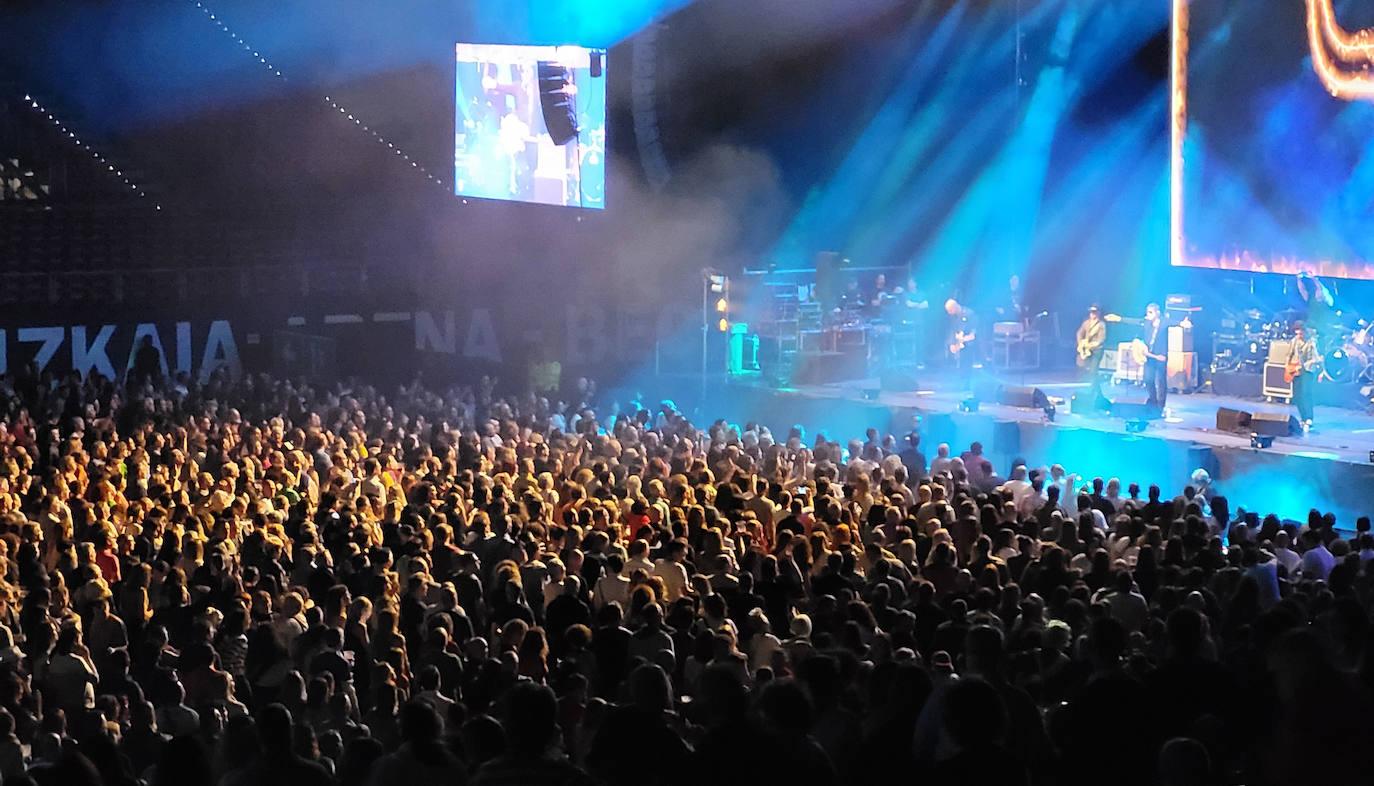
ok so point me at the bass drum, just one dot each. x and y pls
(1337, 365)
(1346, 363)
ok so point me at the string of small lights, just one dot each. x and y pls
(343, 110)
(111, 169)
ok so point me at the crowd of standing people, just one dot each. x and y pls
(262, 581)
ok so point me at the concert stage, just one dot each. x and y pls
(1328, 468)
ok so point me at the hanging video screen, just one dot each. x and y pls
(531, 124)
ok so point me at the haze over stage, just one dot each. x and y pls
(679, 392)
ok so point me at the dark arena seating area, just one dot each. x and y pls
(677, 392)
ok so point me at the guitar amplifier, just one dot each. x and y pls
(1010, 329)
(1108, 361)
(1183, 370)
(1274, 384)
(1279, 351)
(1178, 302)
(1180, 339)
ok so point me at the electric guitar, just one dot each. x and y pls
(1291, 370)
(1086, 348)
(1294, 367)
(1085, 352)
(961, 341)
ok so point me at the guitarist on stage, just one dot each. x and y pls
(1091, 338)
(1303, 367)
(1155, 336)
(962, 333)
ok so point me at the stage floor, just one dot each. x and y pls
(1328, 469)
(1338, 434)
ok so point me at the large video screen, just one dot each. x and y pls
(531, 124)
(1273, 136)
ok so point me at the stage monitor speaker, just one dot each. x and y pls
(1274, 424)
(1233, 420)
(1130, 403)
(987, 389)
(1023, 397)
(826, 368)
(898, 380)
(1088, 403)
(559, 106)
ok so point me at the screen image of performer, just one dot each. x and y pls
(1156, 339)
(1302, 369)
(1090, 340)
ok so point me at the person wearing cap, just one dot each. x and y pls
(1090, 339)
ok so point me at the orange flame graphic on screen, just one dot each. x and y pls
(1343, 60)
(1340, 58)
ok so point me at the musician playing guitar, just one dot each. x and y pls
(1301, 370)
(1091, 337)
(1155, 338)
(962, 332)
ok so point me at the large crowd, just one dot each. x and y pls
(264, 581)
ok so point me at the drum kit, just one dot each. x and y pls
(1347, 351)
